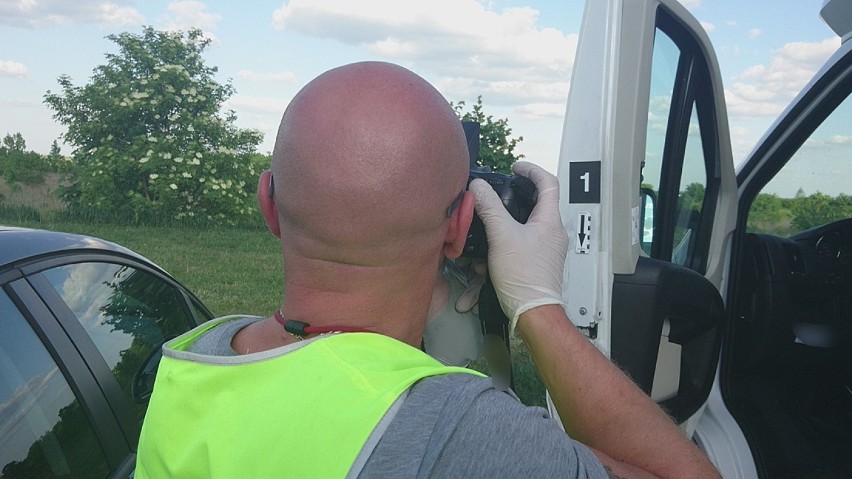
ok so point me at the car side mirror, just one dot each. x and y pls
(143, 381)
(646, 218)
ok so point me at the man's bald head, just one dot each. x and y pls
(367, 159)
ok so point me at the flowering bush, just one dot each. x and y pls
(149, 136)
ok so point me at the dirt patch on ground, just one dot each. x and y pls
(42, 197)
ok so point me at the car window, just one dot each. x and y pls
(813, 187)
(44, 431)
(128, 313)
(677, 156)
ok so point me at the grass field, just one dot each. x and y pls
(230, 270)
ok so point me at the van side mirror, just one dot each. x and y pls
(646, 220)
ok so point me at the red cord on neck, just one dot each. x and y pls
(301, 329)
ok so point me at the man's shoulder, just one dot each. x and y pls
(459, 424)
(215, 339)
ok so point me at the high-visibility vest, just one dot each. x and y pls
(304, 413)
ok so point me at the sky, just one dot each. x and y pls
(516, 54)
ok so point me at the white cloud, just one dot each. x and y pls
(839, 140)
(708, 27)
(257, 104)
(251, 76)
(764, 90)
(731, 23)
(188, 14)
(43, 13)
(471, 47)
(739, 131)
(505, 92)
(742, 142)
(12, 69)
(755, 32)
(537, 111)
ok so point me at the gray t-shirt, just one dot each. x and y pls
(455, 425)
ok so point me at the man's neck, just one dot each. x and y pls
(385, 310)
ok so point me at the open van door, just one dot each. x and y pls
(649, 198)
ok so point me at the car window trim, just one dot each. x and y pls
(73, 367)
(692, 91)
(122, 411)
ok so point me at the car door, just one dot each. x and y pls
(97, 322)
(648, 197)
(786, 368)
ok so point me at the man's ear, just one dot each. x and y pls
(459, 226)
(266, 201)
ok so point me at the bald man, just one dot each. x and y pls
(367, 192)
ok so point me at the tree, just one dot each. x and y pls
(769, 214)
(14, 143)
(819, 209)
(20, 166)
(497, 148)
(148, 137)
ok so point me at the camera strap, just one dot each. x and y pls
(495, 330)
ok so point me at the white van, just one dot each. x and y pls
(726, 295)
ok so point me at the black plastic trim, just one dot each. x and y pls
(642, 302)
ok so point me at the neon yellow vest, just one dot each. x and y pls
(305, 413)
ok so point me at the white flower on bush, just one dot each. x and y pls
(153, 176)
(173, 186)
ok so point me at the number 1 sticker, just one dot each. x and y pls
(584, 185)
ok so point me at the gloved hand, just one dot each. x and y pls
(525, 261)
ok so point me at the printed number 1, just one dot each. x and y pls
(585, 178)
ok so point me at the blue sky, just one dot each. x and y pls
(516, 54)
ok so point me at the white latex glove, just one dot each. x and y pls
(525, 261)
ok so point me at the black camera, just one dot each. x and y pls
(517, 193)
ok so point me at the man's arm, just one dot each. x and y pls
(598, 404)
(602, 408)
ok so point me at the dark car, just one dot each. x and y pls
(82, 321)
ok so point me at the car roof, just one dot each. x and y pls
(21, 244)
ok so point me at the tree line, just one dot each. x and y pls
(20, 166)
(771, 214)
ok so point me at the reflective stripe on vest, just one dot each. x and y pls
(305, 413)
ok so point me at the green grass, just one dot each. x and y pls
(232, 271)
